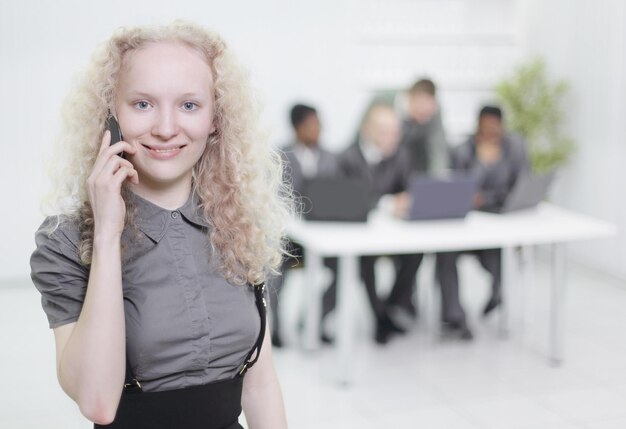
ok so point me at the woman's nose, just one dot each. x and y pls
(166, 125)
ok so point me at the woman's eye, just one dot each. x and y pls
(189, 105)
(142, 105)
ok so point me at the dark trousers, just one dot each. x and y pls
(448, 278)
(276, 284)
(403, 288)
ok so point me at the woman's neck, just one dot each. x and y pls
(170, 196)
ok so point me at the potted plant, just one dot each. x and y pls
(532, 104)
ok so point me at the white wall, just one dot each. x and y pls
(584, 41)
(332, 53)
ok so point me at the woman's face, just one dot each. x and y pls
(164, 105)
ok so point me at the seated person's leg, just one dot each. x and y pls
(452, 313)
(400, 303)
(329, 299)
(491, 260)
(384, 325)
(369, 280)
(275, 287)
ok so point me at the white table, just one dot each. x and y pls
(383, 234)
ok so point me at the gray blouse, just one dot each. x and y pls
(185, 324)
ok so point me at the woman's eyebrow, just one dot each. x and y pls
(194, 95)
(143, 94)
(139, 94)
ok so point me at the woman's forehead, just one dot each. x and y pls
(163, 48)
(165, 66)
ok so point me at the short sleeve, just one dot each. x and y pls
(57, 272)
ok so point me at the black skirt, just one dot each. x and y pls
(210, 406)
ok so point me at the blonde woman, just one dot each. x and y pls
(150, 276)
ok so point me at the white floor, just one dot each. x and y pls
(421, 380)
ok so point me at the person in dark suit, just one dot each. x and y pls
(304, 159)
(377, 159)
(423, 135)
(422, 130)
(496, 159)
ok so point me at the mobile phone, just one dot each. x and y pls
(114, 127)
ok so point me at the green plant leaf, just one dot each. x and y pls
(532, 106)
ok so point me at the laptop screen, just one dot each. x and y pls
(528, 191)
(336, 199)
(437, 198)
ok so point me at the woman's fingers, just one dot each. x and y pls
(107, 152)
(112, 165)
(122, 174)
(106, 141)
(118, 148)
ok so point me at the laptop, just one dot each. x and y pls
(441, 198)
(528, 191)
(336, 199)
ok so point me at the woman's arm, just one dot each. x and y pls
(262, 398)
(91, 353)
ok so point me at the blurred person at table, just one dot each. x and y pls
(304, 158)
(496, 159)
(379, 160)
(423, 135)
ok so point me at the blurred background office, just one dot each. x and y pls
(337, 55)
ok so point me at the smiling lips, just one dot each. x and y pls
(163, 153)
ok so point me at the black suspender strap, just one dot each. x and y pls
(261, 305)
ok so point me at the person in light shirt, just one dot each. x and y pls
(378, 159)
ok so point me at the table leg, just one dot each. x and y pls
(559, 271)
(346, 293)
(429, 299)
(508, 278)
(527, 275)
(313, 306)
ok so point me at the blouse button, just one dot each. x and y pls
(174, 215)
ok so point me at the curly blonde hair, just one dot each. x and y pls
(238, 178)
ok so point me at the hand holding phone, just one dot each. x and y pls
(104, 184)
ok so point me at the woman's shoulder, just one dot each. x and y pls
(57, 270)
(61, 229)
